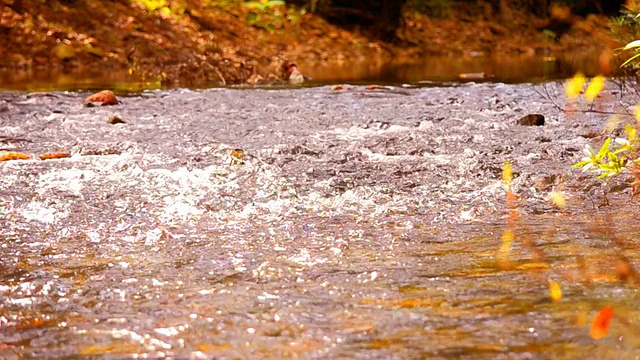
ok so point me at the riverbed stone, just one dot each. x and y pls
(532, 120)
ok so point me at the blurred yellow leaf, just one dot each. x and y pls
(507, 173)
(507, 240)
(636, 111)
(555, 290)
(533, 266)
(595, 86)
(574, 86)
(557, 199)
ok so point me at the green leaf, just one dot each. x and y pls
(252, 17)
(254, 4)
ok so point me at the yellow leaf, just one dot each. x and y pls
(595, 86)
(574, 86)
(555, 290)
(507, 173)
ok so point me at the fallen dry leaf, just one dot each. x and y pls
(601, 322)
(337, 87)
(54, 156)
(12, 155)
(106, 97)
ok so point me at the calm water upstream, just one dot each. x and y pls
(509, 69)
(360, 224)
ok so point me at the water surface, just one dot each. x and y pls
(431, 70)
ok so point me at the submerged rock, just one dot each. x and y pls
(532, 120)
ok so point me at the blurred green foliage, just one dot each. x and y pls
(266, 14)
(435, 8)
(626, 27)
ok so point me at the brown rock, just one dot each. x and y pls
(532, 120)
(106, 97)
(115, 119)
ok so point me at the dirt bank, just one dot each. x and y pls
(189, 43)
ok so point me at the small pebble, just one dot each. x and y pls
(115, 119)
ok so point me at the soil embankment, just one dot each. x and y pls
(194, 43)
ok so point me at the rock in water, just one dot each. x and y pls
(532, 120)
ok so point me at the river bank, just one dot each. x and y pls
(193, 44)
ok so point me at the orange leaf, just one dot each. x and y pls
(54, 156)
(601, 322)
(12, 155)
(337, 87)
(106, 97)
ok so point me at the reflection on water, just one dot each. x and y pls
(73, 80)
(504, 68)
(507, 68)
(386, 293)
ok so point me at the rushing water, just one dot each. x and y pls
(361, 224)
(325, 287)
